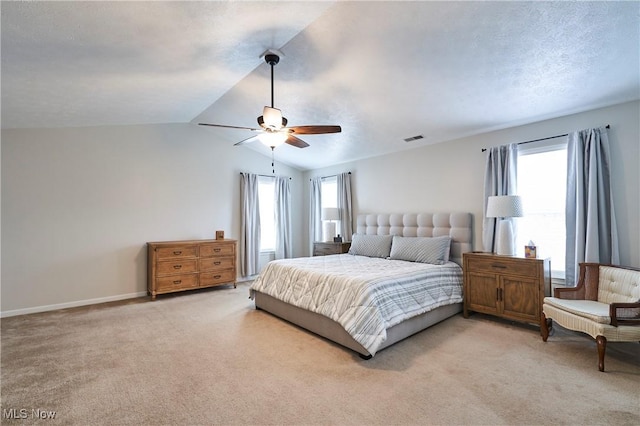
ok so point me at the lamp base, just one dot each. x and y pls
(328, 231)
(505, 245)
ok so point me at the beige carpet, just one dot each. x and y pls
(208, 357)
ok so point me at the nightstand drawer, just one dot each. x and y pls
(503, 266)
(323, 249)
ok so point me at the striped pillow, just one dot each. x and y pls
(433, 250)
(371, 245)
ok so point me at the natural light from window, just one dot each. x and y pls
(266, 198)
(329, 189)
(542, 186)
(329, 195)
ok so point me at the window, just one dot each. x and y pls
(542, 177)
(329, 198)
(329, 191)
(266, 198)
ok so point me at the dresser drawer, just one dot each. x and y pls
(217, 249)
(177, 266)
(216, 263)
(177, 251)
(177, 282)
(220, 277)
(503, 266)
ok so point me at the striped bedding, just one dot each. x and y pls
(365, 295)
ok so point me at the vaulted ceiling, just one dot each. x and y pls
(384, 71)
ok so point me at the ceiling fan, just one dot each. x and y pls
(273, 130)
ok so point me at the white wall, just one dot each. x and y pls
(449, 176)
(79, 204)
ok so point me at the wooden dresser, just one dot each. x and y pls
(185, 265)
(325, 248)
(506, 286)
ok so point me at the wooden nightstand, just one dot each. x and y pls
(506, 286)
(323, 249)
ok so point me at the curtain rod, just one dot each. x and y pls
(544, 139)
(271, 176)
(324, 177)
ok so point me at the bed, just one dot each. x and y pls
(402, 274)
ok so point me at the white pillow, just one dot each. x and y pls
(371, 245)
(433, 250)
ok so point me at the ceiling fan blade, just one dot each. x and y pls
(230, 127)
(314, 130)
(297, 142)
(251, 139)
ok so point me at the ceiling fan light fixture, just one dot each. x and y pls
(272, 118)
(273, 139)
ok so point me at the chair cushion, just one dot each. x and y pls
(618, 285)
(589, 309)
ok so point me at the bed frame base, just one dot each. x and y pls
(333, 331)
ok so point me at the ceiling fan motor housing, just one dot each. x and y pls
(271, 59)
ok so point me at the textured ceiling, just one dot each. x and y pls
(384, 71)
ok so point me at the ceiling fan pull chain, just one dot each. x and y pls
(273, 161)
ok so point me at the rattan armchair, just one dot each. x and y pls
(605, 304)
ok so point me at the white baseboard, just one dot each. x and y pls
(66, 305)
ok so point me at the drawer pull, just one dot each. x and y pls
(216, 249)
(217, 276)
(498, 266)
(177, 266)
(177, 252)
(216, 263)
(176, 282)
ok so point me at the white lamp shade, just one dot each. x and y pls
(504, 206)
(330, 213)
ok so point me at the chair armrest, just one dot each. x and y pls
(569, 292)
(624, 313)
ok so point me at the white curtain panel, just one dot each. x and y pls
(315, 212)
(344, 206)
(499, 179)
(282, 204)
(250, 225)
(592, 234)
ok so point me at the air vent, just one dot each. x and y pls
(414, 138)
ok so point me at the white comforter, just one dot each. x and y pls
(365, 295)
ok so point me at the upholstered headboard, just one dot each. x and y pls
(455, 225)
